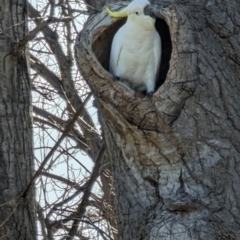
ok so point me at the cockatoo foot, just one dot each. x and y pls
(149, 94)
(117, 78)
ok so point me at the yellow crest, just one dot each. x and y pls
(122, 13)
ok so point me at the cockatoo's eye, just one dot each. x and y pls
(137, 13)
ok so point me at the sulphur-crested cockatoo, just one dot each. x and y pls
(136, 47)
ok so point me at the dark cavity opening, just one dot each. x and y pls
(164, 32)
(102, 46)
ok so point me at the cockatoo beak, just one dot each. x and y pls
(148, 10)
(120, 14)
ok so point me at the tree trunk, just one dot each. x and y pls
(17, 215)
(176, 156)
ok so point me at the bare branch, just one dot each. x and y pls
(47, 74)
(87, 192)
(85, 202)
(64, 134)
(65, 66)
(59, 90)
(39, 28)
(63, 180)
(41, 219)
(59, 125)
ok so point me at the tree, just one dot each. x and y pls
(17, 211)
(175, 157)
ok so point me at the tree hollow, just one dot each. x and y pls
(102, 46)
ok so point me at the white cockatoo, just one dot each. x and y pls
(136, 47)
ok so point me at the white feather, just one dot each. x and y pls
(136, 49)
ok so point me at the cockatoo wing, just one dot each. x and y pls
(151, 59)
(116, 49)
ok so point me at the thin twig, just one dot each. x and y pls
(64, 134)
(82, 206)
(32, 34)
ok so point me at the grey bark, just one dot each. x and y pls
(17, 212)
(175, 157)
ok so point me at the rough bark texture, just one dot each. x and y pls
(17, 216)
(175, 157)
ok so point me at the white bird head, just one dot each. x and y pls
(138, 11)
